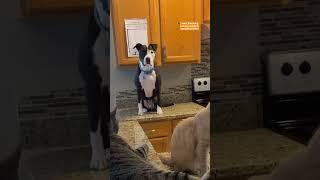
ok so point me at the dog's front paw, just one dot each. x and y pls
(98, 160)
(140, 112)
(159, 110)
(140, 109)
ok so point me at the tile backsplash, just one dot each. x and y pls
(202, 69)
(178, 94)
(237, 102)
(56, 118)
(294, 26)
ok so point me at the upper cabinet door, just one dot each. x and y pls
(206, 11)
(180, 46)
(129, 9)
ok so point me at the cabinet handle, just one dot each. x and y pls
(153, 130)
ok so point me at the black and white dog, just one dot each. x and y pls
(95, 73)
(147, 80)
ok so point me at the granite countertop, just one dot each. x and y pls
(251, 152)
(235, 154)
(133, 133)
(59, 163)
(183, 110)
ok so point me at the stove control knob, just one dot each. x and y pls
(286, 69)
(305, 67)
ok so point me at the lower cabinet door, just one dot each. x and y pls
(160, 144)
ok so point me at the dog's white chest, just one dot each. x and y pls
(148, 83)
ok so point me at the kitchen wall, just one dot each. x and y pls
(56, 114)
(242, 35)
(176, 79)
(42, 50)
(38, 56)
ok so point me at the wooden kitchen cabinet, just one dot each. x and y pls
(157, 129)
(164, 18)
(159, 134)
(206, 11)
(129, 9)
(40, 7)
(160, 144)
(180, 46)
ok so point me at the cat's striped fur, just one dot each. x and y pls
(127, 163)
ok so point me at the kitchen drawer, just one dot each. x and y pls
(160, 144)
(157, 129)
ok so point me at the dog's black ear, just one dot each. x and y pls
(138, 46)
(153, 47)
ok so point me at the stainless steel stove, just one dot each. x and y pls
(201, 91)
(292, 93)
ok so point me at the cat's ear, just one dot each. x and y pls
(114, 123)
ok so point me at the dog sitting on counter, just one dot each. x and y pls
(147, 80)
